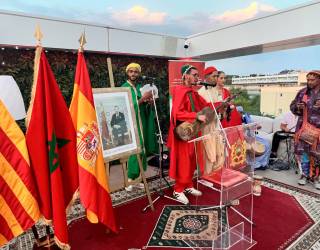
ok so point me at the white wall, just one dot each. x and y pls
(289, 28)
(18, 29)
(277, 100)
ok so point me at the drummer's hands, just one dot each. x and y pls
(317, 104)
(301, 105)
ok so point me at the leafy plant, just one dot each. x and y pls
(19, 64)
(250, 104)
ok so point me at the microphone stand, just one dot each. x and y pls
(230, 204)
(225, 141)
(219, 122)
(160, 191)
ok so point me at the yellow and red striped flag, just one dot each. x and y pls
(18, 205)
(94, 191)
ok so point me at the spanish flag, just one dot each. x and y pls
(18, 205)
(94, 191)
(51, 141)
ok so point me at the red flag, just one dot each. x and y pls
(94, 191)
(18, 205)
(51, 141)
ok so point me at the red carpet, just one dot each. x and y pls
(278, 218)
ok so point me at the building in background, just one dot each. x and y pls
(276, 91)
(275, 100)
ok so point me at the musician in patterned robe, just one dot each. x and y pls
(186, 103)
(308, 98)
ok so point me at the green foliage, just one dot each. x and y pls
(19, 64)
(250, 104)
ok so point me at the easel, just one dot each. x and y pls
(45, 242)
(124, 161)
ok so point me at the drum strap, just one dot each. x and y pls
(192, 102)
(193, 108)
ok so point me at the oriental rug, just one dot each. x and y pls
(181, 226)
(271, 204)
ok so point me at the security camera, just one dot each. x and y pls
(186, 44)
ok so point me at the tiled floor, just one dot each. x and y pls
(288, 177)
(285, 176)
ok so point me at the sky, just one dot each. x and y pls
(180, 18)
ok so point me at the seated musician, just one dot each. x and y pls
(186, 105)
(262, 147)
(287, 126)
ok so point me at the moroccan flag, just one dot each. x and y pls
(51, 141)
(18, 205)
(94, 191)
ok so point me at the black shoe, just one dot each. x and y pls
(273, 156)
(272, 161)
(261, 168)
(276, 168)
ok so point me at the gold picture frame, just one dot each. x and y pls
(116, 122)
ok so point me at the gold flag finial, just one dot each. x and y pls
(38, 35)
(82, 41)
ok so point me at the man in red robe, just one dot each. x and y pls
(186, 103)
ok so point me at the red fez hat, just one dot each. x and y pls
(209, 70)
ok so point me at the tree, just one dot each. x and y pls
(250, 104)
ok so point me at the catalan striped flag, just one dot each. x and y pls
(94, 191)
(18, 205)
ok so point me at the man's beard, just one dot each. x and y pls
(132, 79)
(309, 89)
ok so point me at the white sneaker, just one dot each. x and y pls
(181, 197)
(193, 191)
(303, 180)
(316, 184)
(136, 185)
(139, 185)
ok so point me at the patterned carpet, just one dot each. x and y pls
(181, 226)
(311, 203)
(308, 200)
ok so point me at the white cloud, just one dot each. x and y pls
(240, 15)
(139, 15)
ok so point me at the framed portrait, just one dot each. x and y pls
(117, 122)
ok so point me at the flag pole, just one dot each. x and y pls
(82, 41)
(38, 35)
(110, 72)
